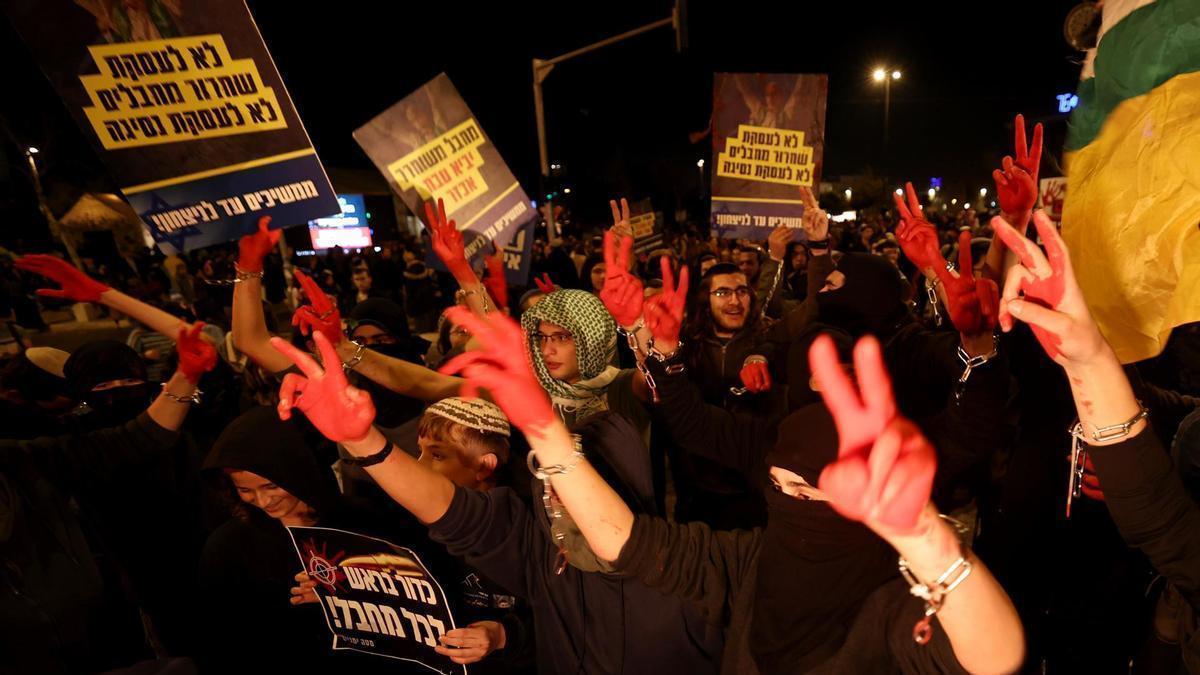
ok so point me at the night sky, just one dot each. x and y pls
(619, 118)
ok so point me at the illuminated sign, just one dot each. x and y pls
(1067, 102)
(349, 229)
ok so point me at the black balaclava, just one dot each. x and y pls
(815, 568)
(104, 361)
(391, 409)
(871, 300)
(259, 442)
(799, 373)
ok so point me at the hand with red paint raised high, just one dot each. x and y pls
(495, 282)
(501, 366)
(320, 315)
(664, 311)
(252, 248)
(1042, 292)
(622, 293)
(545, 284)
(884, 472)
(447, 243)
(342, 413)
(1017, 181)
(76, 285)
(973, 303)
(917, 236)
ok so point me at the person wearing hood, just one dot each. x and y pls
(586, 619)
(848, 611)
(269, 478)
(50, 583)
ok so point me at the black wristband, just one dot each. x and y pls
(819, 245)
(371, 460)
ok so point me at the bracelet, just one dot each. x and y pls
(462, 294)
(934, 594)
(194, 398)
(238, 278)
(356, 358)
(819, 244)
(545, 472)
(372, 459)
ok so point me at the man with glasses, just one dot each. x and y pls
(724, 330)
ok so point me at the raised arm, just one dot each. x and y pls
(344, 414)
(501, 367)
(1142, 489)
(1017, 192)
(447, 243)
(79, 287)
(883, 477)
(250, 333)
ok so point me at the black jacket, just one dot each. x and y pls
(717, 571)
(49, 581)
(584, 622)
(1153, 511)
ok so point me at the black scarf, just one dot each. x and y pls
(815, 568)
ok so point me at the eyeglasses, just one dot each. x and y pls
(556, 339)
(742, 292)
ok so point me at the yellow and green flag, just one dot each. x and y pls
(1132, 214)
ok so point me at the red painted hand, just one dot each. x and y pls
(1052, 305)
(545, 284)
(884, 472)
(341, 412)
(501, 366)
(196, 355)
(917, 237)
(320, 315)
(756, 377)
(495, 283)
(622, 293)
(664, 312)
(1016, 181)
(76, 285)
(448, 242)
(252, 248)
(973, 303)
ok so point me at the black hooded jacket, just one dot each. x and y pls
(584, 622)
(249, 564)
(49, 582)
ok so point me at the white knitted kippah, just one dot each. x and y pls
(472, 412)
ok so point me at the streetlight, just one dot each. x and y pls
(899, 192)
(881, 75)
(931, 193)
(982, 192)
(51, 220)
(700, 168)
(848, 192)
(953, 201)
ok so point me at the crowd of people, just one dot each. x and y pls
(894, 445)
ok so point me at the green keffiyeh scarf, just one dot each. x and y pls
(595, 333)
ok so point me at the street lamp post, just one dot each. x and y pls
(542, 68)
(886, 75)
(51, 221)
